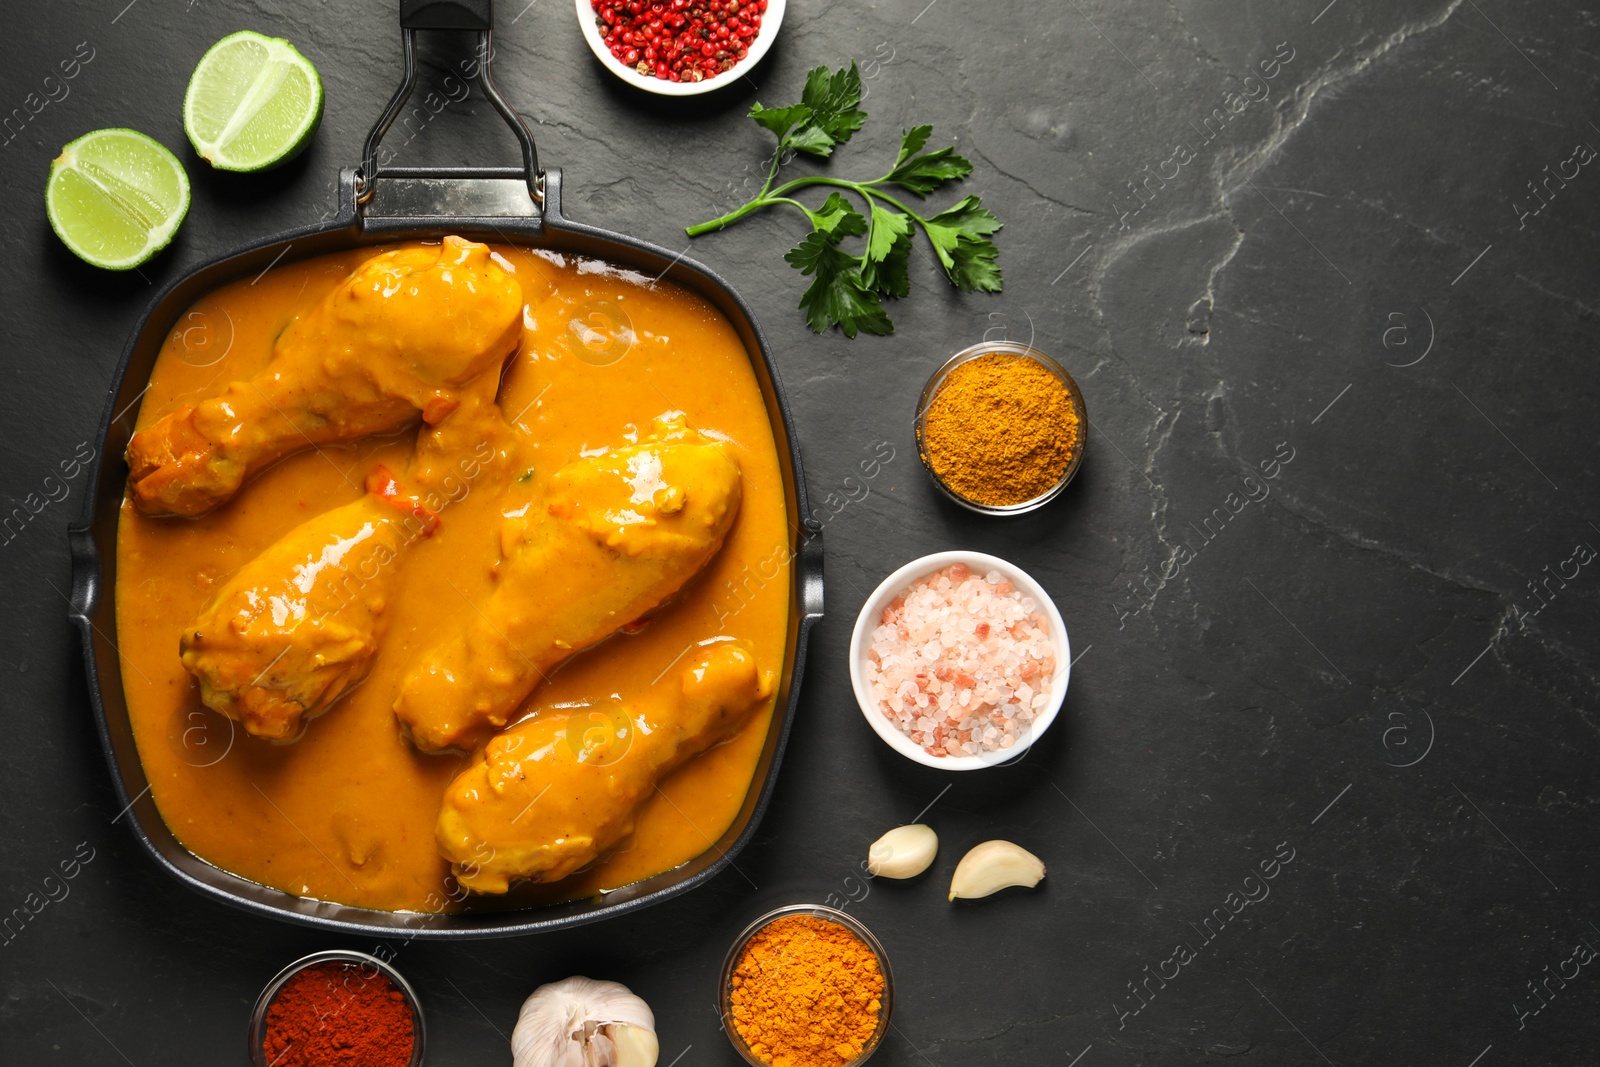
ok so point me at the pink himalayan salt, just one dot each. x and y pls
(961, 663)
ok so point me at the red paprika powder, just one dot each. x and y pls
(339, 1014)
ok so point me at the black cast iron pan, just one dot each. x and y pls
(381, 205)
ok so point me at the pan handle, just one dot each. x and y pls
(472, 15)
(810, 571)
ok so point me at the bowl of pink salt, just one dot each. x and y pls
(960, 660)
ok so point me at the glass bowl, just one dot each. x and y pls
(356, 961)
(819, 911)
(987, 348)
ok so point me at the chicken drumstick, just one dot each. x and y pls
(398, 339)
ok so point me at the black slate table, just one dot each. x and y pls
(1348, 244)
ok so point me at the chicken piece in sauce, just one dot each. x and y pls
(298, 626)
(397, 340)
(621, 532)
(552, 794)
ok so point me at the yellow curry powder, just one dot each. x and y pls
(806, 993)
(1000, 430)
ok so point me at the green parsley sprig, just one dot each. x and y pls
(847, 290)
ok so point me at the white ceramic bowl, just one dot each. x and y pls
(892, 587)
(771, 20)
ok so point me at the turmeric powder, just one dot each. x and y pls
(807, 992)
(1000, 430)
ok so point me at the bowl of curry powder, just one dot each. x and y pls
(1001, 428)
(806, 986)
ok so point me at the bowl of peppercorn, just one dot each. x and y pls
(1001, 428)
(679, 47)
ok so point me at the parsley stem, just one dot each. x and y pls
(772, 171)
(822, 179)
(865, 190)
(732, 216)
(768, 196)
(891, 200)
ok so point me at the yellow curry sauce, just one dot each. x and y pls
(347, 813)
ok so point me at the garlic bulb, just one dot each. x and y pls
(903, 852)
(580, 1022)
(992, 866)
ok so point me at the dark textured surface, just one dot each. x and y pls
(1351, 668)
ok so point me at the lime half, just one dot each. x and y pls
(116, 197)
(253, 102)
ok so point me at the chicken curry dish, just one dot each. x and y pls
(451, 575)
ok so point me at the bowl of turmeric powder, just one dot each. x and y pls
(1001, 428)
(806, 986)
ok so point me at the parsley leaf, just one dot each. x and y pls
(911, 142)
(780, 120)
(885, 263)
(837, 294)
(888, 227)
(967, 218)
(891, 275)
(834, 100)
(923, 174)
(960, 236)
(838, 219)
(976, 268)
(813, 141)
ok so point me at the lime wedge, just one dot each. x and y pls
(116, 197)
(253, 103)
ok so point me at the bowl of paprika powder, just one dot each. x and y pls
(1001, 428)
(338, 1007)
(806, 986)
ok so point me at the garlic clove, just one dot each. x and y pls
(993, 866)
(904, 852)
(634, 1046)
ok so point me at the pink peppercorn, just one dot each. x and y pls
(679, 40)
